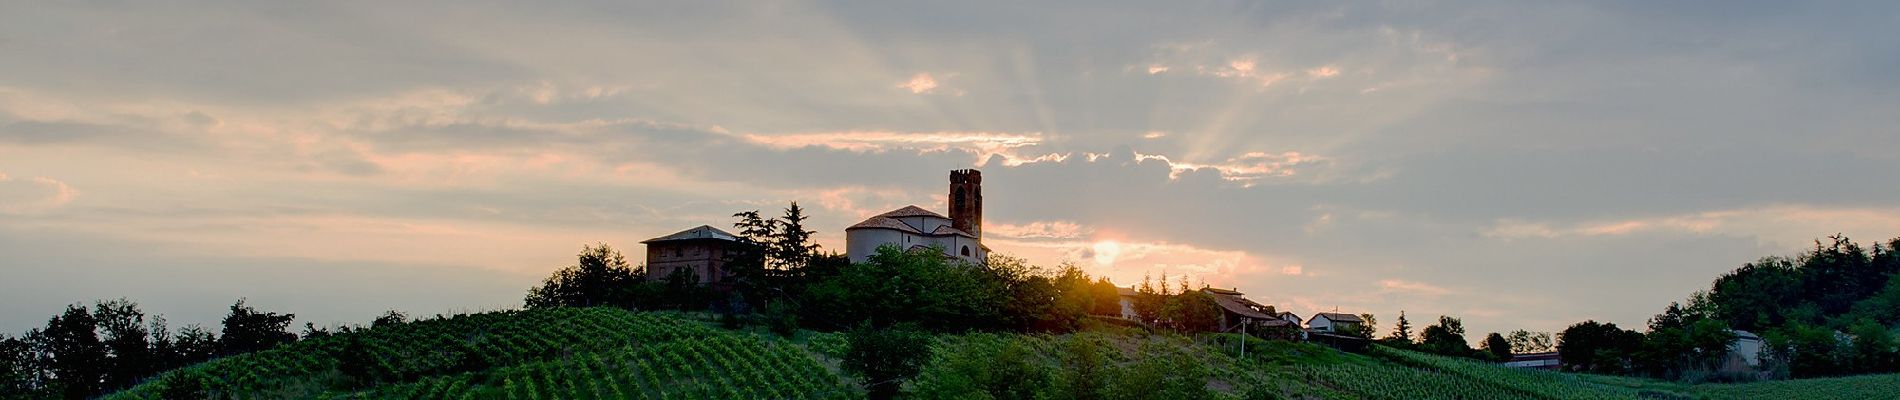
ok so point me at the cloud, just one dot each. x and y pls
(1322, 72)
(922, 83)
(1249, 168)
(1038, 230)
(39, 194)
(1421, 288)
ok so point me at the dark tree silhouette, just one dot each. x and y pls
(601, 276)
(246, 330)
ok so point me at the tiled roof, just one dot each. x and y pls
(1233, 304)
(702, 232)
(1223, 291)
(946, 230)
(1339, 317)
(1125, 291)
(911, 211)
(885, 223)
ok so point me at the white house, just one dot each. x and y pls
(1332, 322)
(1290, 317)
(1127, 296)
(959, 236)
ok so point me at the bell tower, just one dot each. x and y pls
(966, 201)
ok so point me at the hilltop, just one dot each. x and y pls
(605, 352)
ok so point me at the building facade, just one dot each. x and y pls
(704, 251)
(913, 228)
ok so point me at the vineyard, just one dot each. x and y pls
(542, 354)
(612, 353)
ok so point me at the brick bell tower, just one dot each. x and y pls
(966, 201)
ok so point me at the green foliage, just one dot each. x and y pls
(183, 385)
(1402, 332)
(1447, 337)
(885, 357)
(896, 286)
(1499, 348)
(1591, 346)
(77, 355)
(544, 353)
(246, 330)
(1523, 341)
(601, 276)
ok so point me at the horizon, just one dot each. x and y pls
(1516, 166)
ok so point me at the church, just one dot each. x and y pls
(959, 236)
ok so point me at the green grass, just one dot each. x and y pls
(611, 353)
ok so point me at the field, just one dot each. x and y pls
(611, 353)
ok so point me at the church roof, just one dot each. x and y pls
(701, 232)
(911, 211)
(946, 230)
(884, 223)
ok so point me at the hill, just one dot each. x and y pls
(612, 353)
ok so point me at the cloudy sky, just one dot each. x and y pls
(1520, 166)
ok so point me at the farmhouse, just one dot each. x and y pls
(1333, 322)
(1236, 311)
(959, 236)
(704, 251)
(1127, 296)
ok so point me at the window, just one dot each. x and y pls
(966, 251)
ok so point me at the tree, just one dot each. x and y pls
(792, 247)
(1197, 311)
(126, 341)
(78, 358)
(1497, 346)
(601, 276)
(1523, 341)
(388, 319)
(1403, 331)
(195, 343)
(246, 330)
(1597, 347)
(883, 358)
(1873, 347)
(923, 287)
(1447, 337)
(21, 375)
(1108, 298)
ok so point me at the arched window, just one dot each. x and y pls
(966, 251)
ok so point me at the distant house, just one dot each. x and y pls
(1237, 310)
(1744, 354)
(1333, 322)
(1290, 317)
(704, 251)
(1543, 361)
(1127, 296)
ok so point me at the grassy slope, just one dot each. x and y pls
(608, 353)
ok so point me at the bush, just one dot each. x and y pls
(884, 358)
(781, 318)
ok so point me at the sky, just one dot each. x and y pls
(1517, 165)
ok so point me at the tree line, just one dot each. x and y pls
(88, 351)
(1831, 310)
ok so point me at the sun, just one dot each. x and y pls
(1106, 251)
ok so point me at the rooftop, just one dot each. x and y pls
(703, 232)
